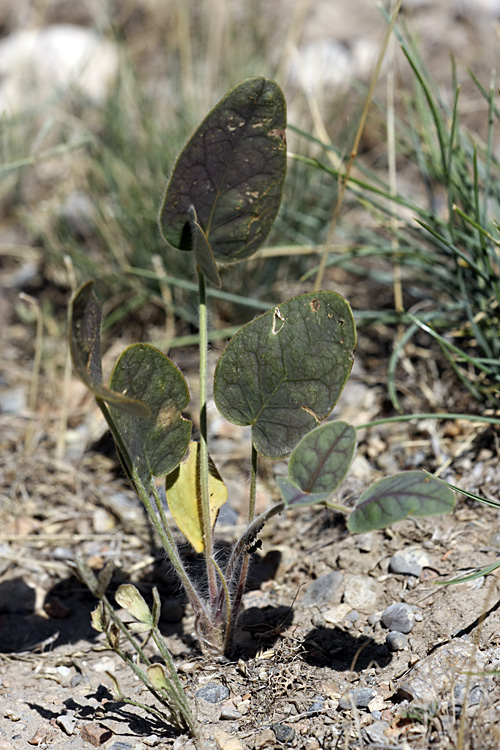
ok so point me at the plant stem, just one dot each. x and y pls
(253, 485)
(204, 491)
(160, 524)
(242, 579)
(169, 545)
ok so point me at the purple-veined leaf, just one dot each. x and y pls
(411, 493)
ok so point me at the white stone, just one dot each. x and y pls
(40, 63)
(337, 614)
(361, 593)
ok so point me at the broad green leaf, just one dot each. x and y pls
(156, 444)
(184, 499)
(318, 464)
(322, 458)
(84, 331)
(283, 372)
(411, 493)
(232, 171)
(202, 250)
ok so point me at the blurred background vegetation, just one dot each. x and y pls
(415, 247)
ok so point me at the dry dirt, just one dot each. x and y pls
(302, 646)
(300, 649)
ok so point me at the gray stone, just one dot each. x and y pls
(283, 733)
(376, 732)
(13, 401)
(396, 641)
(230, 713)
(317, 705)
(364, 542)
(359, 698)
(409, 561)
(353, 616)
(213, 693)
(325, 589)
(399, 616)
(475, 694)
(318, 621)
(434, 676)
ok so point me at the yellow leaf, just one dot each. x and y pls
(183, 496)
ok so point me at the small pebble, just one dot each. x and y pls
(360, 698)
(325, 589)
(213, 693)
(62, 553)
(475, 696)
(396, 641)
(317, 705)
(353, 616)
(409, 561)
(376, 732)
(318, 621)
(399, 616)
(121, 746)
(337, 614)
(151, 740)
(283, 733)
(13, 401)
(67, 722)
(364, 542)
(95, 734)
(229, 713)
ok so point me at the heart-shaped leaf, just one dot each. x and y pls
(184, 496)
(84, 332)
(156, 444)
(232, 171)
(318, 464)
(411, 493)
(322, 458)
(283, 372)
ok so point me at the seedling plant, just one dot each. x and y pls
(281, 374)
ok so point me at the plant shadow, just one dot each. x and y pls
(339, 650)
(110, 709)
